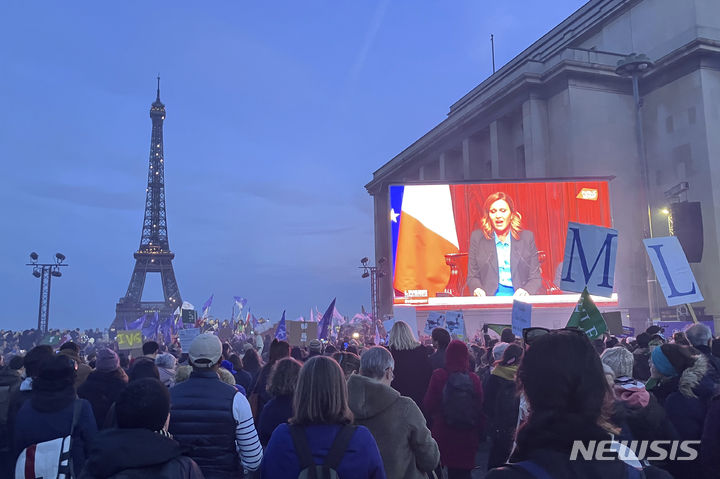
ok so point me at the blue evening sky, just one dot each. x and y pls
(277, 115)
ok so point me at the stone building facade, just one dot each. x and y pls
(559, 109)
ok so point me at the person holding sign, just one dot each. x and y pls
(503, 258)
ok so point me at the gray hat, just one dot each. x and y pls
(498, 351)
(620, 360)
(205, 350)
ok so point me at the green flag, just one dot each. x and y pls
(587, 317)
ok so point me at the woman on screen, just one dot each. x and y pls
(503, 258)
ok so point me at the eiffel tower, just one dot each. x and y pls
(154, 255)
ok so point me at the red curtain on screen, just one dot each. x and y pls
(546, 209)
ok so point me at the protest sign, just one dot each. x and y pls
(671, 327)
(434, 320)
(129, 339)
(613, 319)
(587, 317)
(299, 333)
(455, 324)
(521, 313)
(589, 261)
(673, 270)
(186, 337)
(189, 316)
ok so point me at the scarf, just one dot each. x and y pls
(505, 372)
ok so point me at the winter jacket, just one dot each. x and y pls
(49, 416)
(9, 385)
(713, 363)
(457, 446)
(437, 359)
(641, 364)
(710, 445)
(277, 411)
(361, 460)
(137, 453)
(559, 466)
(639, 413)
(686, 399)
(412, 373)
(405, 443)
(501, 405)
(201, 417)
(102, 389)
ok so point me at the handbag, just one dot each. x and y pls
(49, 459)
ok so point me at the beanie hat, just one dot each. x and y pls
(498, 351)
(315, 346)
(620, 360)
(643, 339)
(672, 359)
(165, 360)
(106, 360)
(56, 373)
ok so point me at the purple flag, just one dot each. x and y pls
(326, 321)
(281, 333)
(135, 325)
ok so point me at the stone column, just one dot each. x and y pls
(535, 137)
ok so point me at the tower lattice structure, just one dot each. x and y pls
(153, 255)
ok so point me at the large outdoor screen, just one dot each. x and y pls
(499, 237)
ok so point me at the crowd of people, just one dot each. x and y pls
(400, 410)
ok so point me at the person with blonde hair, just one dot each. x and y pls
(412, 364)
(502, 258)
(320, 432)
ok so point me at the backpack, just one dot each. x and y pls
(308, 468)
(460, 402)
(49, 459)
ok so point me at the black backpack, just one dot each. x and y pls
(460, 402)
(308, 468)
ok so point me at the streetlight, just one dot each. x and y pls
(45, 271)
(635, 66)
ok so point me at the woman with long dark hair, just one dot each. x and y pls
(569, 400)
(321, 420)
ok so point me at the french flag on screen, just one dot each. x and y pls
(425, 235)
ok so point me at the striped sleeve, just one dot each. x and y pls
(246, 438)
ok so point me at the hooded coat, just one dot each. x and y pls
(686, 398)
(137, 453)
(457, 446)
(405, 443)
(501, 405)
(102, 389)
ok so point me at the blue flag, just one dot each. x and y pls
(150, 329)
(166, 329)
(135, 325)
(281, 333)
(326, 321)
(206, 306)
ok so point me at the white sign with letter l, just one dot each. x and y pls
(673, 270)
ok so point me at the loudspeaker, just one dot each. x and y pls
(687, 225)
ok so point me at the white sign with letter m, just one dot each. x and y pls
(590, 253)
